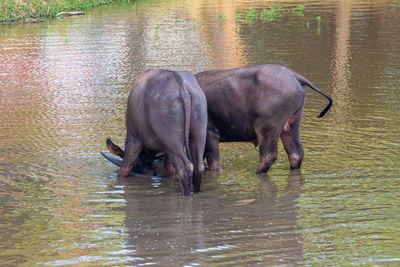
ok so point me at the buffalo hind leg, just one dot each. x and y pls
(268, 155)
(184, 171)
(290, 137)
(268, 142)
(132, 149)
(197, 153)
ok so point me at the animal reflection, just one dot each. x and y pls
(216, 226)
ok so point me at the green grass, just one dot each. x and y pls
(249, 16)
(19, 10)
(250, 13)
(271, 13)
(238, 16)
(298, 11)
(221, 17)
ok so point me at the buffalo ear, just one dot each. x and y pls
(116, 150)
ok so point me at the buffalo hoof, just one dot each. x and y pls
(123, 173)
(263, 170)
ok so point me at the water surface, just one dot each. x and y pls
(63, 89)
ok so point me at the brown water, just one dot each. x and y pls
(63, 88)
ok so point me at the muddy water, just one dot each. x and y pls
(63, 87)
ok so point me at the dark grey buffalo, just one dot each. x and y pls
(166, 112)
(258, 103)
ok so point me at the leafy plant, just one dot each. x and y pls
(319, 19)
(249, 16)
(156, 28)
(250, 13)
(271, 13)
(221, 17)
(298, 11)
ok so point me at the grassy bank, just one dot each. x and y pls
(21, 10)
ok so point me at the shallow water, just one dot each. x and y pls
(63, 89)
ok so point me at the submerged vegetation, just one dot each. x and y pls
(32, 10)
(319, 25)
(22, 10)
(221, 17)
(249, 16)
(298, 11)
(268, 14)
(271, 13)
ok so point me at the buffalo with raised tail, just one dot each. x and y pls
(166, 112)
(257, 103)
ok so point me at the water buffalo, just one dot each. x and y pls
(166, 112)
(256, 103)
(143, 164)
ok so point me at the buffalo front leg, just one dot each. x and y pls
(290, 137)
(132, 149)
(212, 150)
(168, 167)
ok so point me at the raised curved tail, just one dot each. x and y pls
(304, 81)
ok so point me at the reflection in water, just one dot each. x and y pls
(341, 62)
(220, 34)
(214, 228)
(63, 89)
(169, 38)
